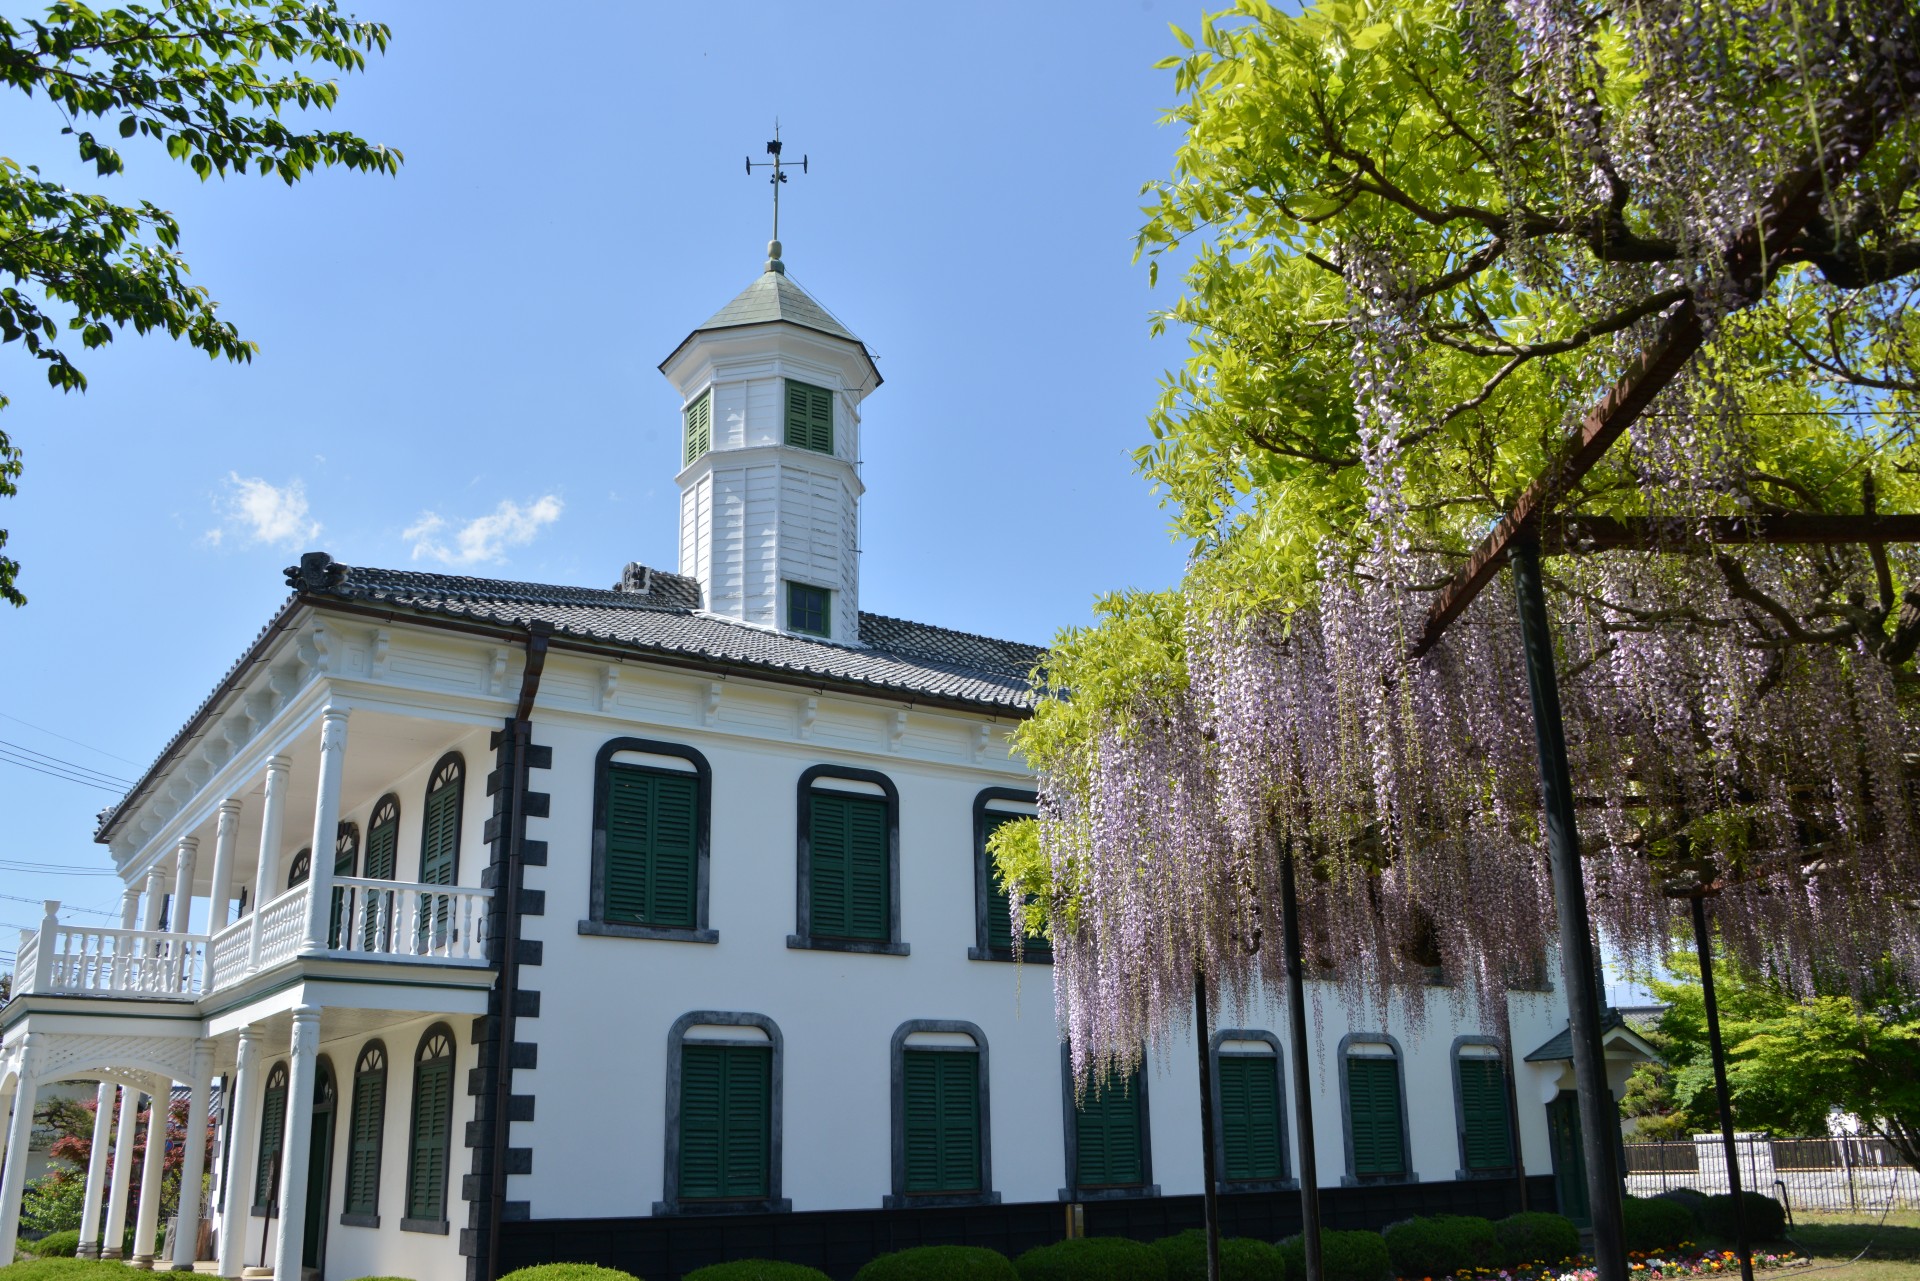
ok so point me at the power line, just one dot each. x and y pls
(64, 907)
(74, 766)
(52, 869)
(76, 742)
(71, 778)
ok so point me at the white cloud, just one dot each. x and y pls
(484, 538)
(260, 512)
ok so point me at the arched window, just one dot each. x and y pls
(724, 1073)
(1480, 1104)
(273, 1130)
(1375, 1111)
(941, 1153)
(300, 869)
(993, 917)
(1109, 1149)
(849, 862)
(651, 811)
(430, 1150)
(383, 838)
(440, 829)
(346, 860)
(1249, 1121)
(367, 1124)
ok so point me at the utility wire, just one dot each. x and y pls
(52, 869)
(64, 907)
(63, 738)
(73, 766)
(71, 778)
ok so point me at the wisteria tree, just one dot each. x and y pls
(1426, 237)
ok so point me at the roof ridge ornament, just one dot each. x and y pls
(316, 572)
(777, 177)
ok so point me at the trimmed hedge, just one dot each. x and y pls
(569, 1272)
(65, 1270)
(57, 1245)
(1537, 1237)
(756, 1270)
(1652, 1225)
(1442, 1244)
(939, 1263)
(1344, 1256)
(1241, 1258)
(1766, 1220)
(1092, 1259)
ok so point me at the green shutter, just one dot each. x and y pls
(1483, 1114)
(383, 844)
(699, 420)
(363, 1143)
(999, 916)
(941, 1120)
(273, 1130)
(432, 1127)
(726, 1096)
(1107, 1147)
(809, 417)
(1373, 1106)
(650, 871)
(1249, 1087)
(440, 836)
(849, 895)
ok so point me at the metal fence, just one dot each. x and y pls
(1803, 1174)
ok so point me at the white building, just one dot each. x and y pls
(651, 924)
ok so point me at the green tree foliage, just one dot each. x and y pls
(207, 82)
(1790, 1060)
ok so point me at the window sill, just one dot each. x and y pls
(360, 1220)
(1481, 1176)
(779, 1205)
(1227, 1186)
(937, 1200)
(1376, 1180)
(665, 933)
(1072, 1195)
(260, 1212)
(1034, 956)
(437, 1227)
(805, 943)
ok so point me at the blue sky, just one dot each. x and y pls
(476, 341)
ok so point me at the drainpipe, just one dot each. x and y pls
(520, 731)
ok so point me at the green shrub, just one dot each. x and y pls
(756, 1270)
(1092, 1259)
(1442, 1244)
(564, 1272)
(939, 1263)
(53, 1203)
(1766, 1221)
(1344, 1256)
(1693, 1198)
(1537, 1237)
(1241, 1258)
(1652, 1225)
(57, 1245)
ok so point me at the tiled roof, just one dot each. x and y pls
(911, 659)
(1559, 1046)
(774, 297)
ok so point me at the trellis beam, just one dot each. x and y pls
(1579, 535)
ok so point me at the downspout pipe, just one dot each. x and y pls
(520, 734)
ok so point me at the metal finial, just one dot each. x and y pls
(778, 176)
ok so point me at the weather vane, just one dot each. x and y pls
(778, 176)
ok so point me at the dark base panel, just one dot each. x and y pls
(839, 1242)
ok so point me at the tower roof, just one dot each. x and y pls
(770, 299)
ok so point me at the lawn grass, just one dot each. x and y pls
(1887, 1249)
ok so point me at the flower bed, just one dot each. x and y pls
(1688, 1261)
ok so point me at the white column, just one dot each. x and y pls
(122, 1182)
(266, 876)
(184, 859)
(326, 823)
(97, 1160)
(152, 1167)
(123, 955)
(243, 1151)
(294, 1155)
(226, 835)
(13, 1181)
(156, 895)
(186, 1231)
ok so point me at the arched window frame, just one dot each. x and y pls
(983, 950)
(449, 771)
(596, 922)
(803, 936)
(1460, 1107)
(1352, 1178)
(272, 1137)
(1073, 1192)
(671, 1202)
(373, 1063)
(300, 869)
(1286, 1182)
(384, 814)
(901, 1198)
(438, 1223)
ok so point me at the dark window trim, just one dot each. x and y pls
(803, 936)
(375, 823)
(1350, 1178)
(825, 631)
(690, 455)
(833, 425)
(1286, 1182)
(349, 1217)
(1073, 1191)
(280, 1074)
(438, 1225)
(1460, 1111)
(596, 923)
(901, 1198)
(1041, 952)
(459, 784)
(773, 1203)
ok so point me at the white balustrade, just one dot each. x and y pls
(408, 921)
(106, 962)
(25, 960)
(283, 923)
(227, 955)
